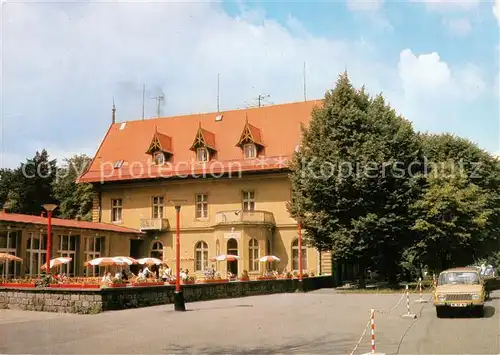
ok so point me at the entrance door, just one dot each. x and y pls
(232, 249)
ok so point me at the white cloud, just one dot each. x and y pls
(364, 5)
(496, 9)
(63, 63)
(451, 5)
(458, 26)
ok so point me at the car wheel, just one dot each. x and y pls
(479, 312)
(440, 312)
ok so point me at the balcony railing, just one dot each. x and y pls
(153, 224)
(239, 217)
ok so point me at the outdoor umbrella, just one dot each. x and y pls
(269, 259)
(105, 261)
(126, 259)
(5, 257)
(57, 262)
(227, 257)
(150, 261)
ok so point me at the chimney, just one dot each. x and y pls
(42, 214)
(113, 115)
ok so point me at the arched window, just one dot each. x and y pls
(295, 256)
(201, 252)
(253, 251)
(157, 250)
(232, 249)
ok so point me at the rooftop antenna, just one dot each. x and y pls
(305, 90)
(113, 112)
(261, 98)
(218, 91)
(143, 92)
(158, 99)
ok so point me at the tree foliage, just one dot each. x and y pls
(39, 181)
(351, 185)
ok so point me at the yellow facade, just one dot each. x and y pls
(245, 215)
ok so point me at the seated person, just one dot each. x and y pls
(107, 278)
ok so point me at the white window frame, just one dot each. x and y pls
(91, 252)
(158, 207)
(12, 251)
(250, 150)
(295, 255)
(202, 154)
(253, 255)
(159, 158)
(116, 209)
(201, 256)
(39, 253)
(68, 252)
(248, 202)
(201, 205)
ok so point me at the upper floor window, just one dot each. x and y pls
(158, 207)
(116, 210)
(201, 206)
(248, 201)
(202, 154)
(159, 158)
(250, 151)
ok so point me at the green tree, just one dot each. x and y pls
(6, 177)
(353, 179)
(75, 200)
(458, 218)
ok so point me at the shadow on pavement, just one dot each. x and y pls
(489, 312)
(318, 346)
(211, 308)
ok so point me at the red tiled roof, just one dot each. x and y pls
(67, 223)
(128, 141)
(165, 142)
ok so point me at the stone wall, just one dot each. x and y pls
(96, 301)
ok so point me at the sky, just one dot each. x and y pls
(63, 63)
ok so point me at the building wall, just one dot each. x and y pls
(224, 194)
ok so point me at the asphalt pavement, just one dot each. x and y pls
(320, 322)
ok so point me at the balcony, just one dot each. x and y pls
(153, 224)
(244, 217)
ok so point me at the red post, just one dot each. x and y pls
(49, 240)
(300, 251)
(178, 250)
(372, 323)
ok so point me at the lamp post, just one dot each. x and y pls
(299, 228)
(49, 207)
(179, 304)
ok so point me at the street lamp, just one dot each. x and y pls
(179, 304)
(299, 228)
(49, 207)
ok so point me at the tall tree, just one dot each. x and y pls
(75, 200)
(458, 217)
(31, 185)
(6, 177)
(353, 179)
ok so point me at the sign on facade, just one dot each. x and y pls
(235, 235)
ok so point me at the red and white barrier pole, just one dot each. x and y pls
(372, 325)
(408, 314)
(421, 300)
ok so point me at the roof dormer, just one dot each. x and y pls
(160, 148)
(204, 144)
(250, 141)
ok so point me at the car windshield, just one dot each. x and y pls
(458, 278)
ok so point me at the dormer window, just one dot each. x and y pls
(202, 154)
(250, 151)
(250, 141)
(159, 158)
(204, 145)
(160, 148)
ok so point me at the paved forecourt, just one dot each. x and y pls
(318, 322)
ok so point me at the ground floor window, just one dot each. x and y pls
(8, 244)
(157, 250)
(253, 251)
(36, 251)
(93, 249)
(295, 256)
(201, 255)
(67, 247)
